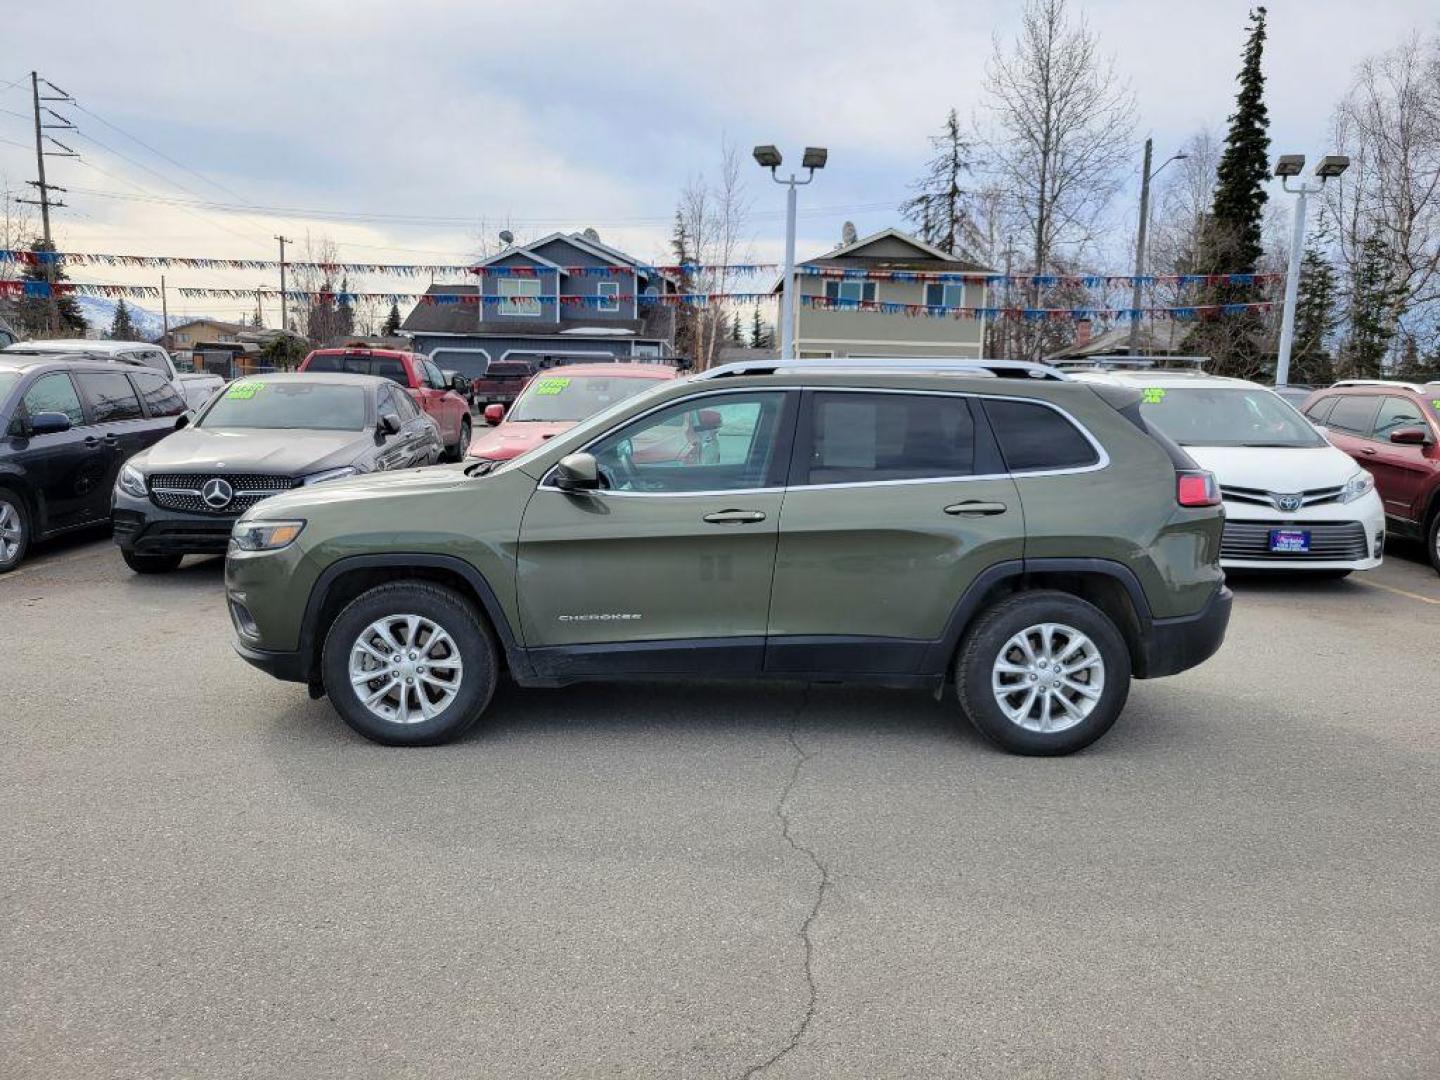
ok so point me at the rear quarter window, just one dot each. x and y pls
(1036, 438)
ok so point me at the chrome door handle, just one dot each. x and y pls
(965, 509)
(1367, 450)
(735, 517)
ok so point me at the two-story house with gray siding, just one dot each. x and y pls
(564, 298)
(831, 332)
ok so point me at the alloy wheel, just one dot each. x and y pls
(11, 532)
(405, 669)
(1048, 677)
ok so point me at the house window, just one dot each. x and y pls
(647, 352)
(941, 295)
(518, 287)
(850, 290)
(610, 290)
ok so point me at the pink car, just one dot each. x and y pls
(557, 399)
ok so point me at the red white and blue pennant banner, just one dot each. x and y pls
(679, 270)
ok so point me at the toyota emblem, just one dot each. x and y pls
(1287, 503)
(217, 493)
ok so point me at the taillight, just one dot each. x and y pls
(1195, 487)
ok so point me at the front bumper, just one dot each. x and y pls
(1174, 645)
(1348, 536)
(289, 666)
(143, 527)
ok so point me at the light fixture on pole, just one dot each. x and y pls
(1145, 177)
(1288, 166)
(768, 157)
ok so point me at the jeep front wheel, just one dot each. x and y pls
(1043, 673)
(409, 664)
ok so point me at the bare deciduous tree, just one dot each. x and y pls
(1059, 130)
(1389, 200)
(714, 217)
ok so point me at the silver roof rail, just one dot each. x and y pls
(1002, 369)
(1417, 387)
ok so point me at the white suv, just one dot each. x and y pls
(1292, 501)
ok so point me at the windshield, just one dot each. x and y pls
(573, 397)
(1226, 416)
(254, 403)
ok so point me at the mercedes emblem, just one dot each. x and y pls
(217, 493)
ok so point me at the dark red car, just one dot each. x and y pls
(415, 372)
(557, 399)
(1393, 430)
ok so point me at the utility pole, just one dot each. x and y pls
(40, 183)
(284, 319)
(164, 315)
(259, 309)
(1145, 177)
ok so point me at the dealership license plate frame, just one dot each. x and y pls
(1289, 541)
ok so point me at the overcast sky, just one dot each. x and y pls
(566, 115)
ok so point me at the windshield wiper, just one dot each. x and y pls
(480, 468)
(1277, 445)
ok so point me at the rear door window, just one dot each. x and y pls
(1036, 438)
(1354, 413)
(159, 396)
(112, 398)
(1320, 410)
(870, 438)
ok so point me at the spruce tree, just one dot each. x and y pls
(392, 321)
(1371, 328)
(1316, 318)
(1235, 243)
(33, 313)
(939, 209)
(759, 334)
(121, 328)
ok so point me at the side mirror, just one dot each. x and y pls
(49, 423)
(183, 420)
(1410, 436)
(389, 424)
(577, 472)
(494, 414)
(460, 384)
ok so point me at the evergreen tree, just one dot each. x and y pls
(392, 321)
(1371, 296)
(1234, 244)
(1316, 318)
(1232, 241)
(759, 332)
(939, 209)
(33, 314)
(685, 329)
(121, 328)
(736, 337)
(344, 311)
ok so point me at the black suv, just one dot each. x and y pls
(69, 424)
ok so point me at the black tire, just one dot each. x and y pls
(153, 563)
(15, 524)
(449, 611)
(462, 444)
(984, 644)
(1432, 541)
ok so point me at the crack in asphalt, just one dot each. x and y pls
(801, 757)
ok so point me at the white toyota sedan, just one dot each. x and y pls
(1292, 501)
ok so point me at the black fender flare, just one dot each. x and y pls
(400, 561)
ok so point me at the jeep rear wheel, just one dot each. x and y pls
(409, 664)
(1043, 673)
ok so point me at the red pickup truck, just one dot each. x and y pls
(416, 373)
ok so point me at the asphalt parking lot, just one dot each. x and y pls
(204, 873)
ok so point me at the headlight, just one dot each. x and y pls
(264, 535)
(331, 474)
(131, 481)
(1359, 485)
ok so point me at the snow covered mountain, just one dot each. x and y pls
(99, 313)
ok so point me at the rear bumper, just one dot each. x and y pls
(1174, 645)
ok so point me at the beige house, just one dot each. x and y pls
(187, 335)
(822, 333)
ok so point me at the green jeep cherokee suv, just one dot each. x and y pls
(991, 525)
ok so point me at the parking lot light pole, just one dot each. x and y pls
(769, 157)
(1287, 167)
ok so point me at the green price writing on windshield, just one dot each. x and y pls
(1435, 404)
(550, 387)
(1152, 395)
(244, 391)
